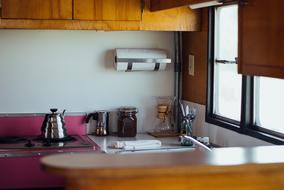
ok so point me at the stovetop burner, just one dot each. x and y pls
(34, 146)
(73, 141)
(12, 139)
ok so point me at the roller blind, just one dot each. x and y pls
(157, 5)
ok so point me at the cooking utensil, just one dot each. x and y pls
(53, 126)
(186, 124)
(164, 122)
(102, 122)
(182, 109)
(186, 110)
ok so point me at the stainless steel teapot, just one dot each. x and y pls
(53, 126)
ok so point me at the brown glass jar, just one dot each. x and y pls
(127, 122)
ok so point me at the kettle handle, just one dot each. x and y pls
(53, 110)
(63, 112)
(92, 115)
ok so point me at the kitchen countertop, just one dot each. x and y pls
(169, 144)
(257, 168)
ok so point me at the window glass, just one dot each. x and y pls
(228, 92)
(227, 81)
(269, 103)
(226, 35)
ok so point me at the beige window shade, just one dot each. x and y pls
(205, 3)
(157, 5)
(196, 4)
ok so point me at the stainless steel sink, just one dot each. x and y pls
(160, 150)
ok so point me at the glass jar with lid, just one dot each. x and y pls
(127, 122)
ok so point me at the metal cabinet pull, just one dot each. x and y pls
(225, 61)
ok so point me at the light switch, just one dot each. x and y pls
(191, 65)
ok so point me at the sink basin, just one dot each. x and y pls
(160, 150)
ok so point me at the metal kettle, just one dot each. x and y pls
(102, 122)
(53, 126)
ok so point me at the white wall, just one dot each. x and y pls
(219, 135)
(73, 70)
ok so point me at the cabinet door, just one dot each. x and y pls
(112, 10)
(261, 38)
(37, 9)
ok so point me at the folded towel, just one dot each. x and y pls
(137, 145)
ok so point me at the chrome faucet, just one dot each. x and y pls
(186, 138)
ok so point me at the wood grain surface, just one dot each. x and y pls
(179, 19)
(261, 39)
(195, 43)
(122, 10)
(37, 9)
(259, 168)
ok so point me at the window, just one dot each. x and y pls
(246, 104)
(269, 104)
(227, 81)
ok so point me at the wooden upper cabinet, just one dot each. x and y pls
(96, 15)
(261, 38)
(37, 9)
(108, 10)
(177, 19)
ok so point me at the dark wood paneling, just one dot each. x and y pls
(195, 43)
(261, 39)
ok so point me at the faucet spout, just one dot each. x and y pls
(194, 141)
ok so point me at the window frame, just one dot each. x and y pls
(246, 125)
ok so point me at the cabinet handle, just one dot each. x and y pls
(227, 61)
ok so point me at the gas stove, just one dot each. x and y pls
(36, 146)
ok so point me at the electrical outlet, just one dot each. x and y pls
(191, 65)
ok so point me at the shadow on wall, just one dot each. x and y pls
(109, 59)
(149, 112)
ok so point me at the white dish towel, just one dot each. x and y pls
(136, 145)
